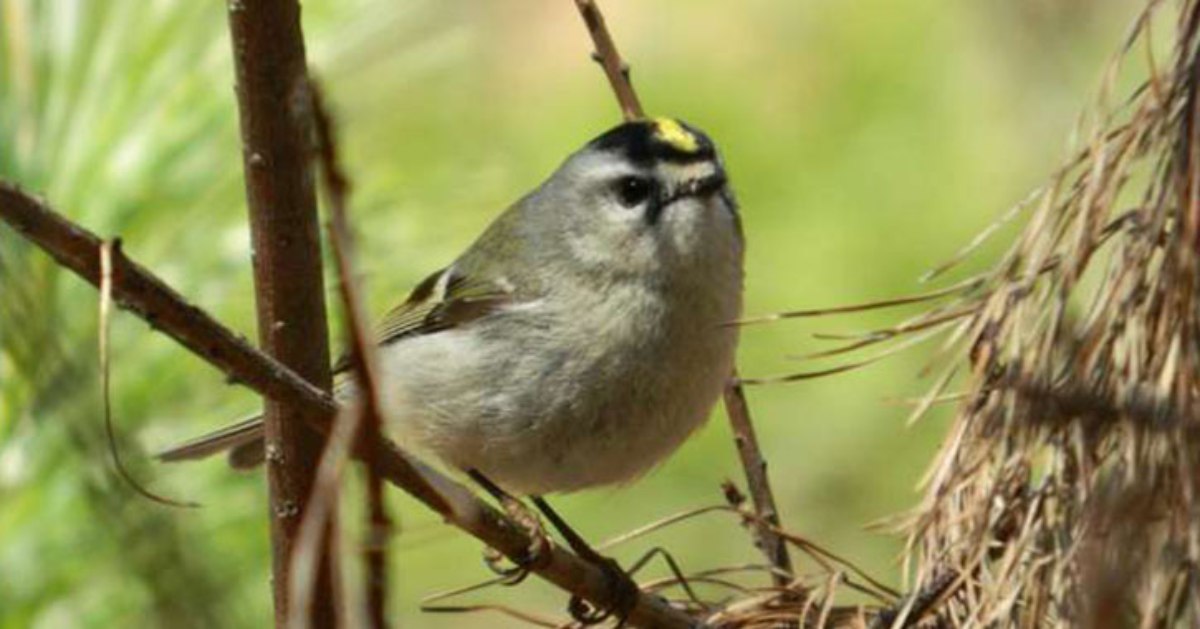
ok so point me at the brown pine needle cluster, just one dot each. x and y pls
(1065, 493)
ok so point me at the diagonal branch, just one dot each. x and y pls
(144, 294)
(137, 290)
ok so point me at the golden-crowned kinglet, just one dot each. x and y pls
(582, 337)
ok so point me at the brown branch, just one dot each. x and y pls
(272, 88)
(363, 360)
(140, 292)
(156, 303)
(755, 466)
(606, 54)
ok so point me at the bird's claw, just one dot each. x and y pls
(534, 556)
(622, 596)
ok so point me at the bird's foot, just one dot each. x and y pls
(622, 596)
(535, 555)
(622, 591)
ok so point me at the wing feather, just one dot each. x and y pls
(248, 430)
(444, 300)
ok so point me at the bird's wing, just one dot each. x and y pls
(444, 300)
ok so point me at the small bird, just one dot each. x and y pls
(582, 337)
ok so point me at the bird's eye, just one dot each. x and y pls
(631, 191)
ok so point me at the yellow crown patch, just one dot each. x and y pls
(671, 132)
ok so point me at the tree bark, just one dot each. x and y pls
(274, 107)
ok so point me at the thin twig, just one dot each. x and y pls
(363, 360)
(755, 466)
(105, 316)
(311, 538)
(933, 318)
(670, 520)
(961, 288)
(161, 307)
(606, 54)
(851, 366)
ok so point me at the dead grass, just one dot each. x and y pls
(1065, 492)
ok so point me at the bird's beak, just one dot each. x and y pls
(708, 185)
(702, 186)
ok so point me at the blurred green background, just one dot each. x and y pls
(867, 140)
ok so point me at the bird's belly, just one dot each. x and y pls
(546, 417)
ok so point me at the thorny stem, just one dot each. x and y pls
(139, 291)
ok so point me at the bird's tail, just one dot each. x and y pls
(243, 440)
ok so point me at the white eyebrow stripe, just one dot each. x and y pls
(679, 173)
